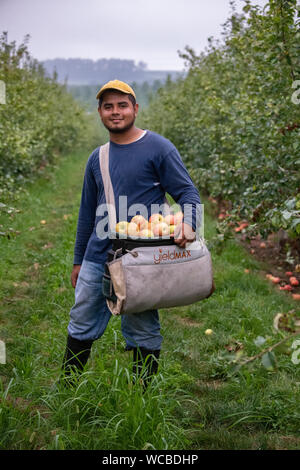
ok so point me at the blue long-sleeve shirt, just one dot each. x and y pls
(143, 171)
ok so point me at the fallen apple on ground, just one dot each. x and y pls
(287, 287)
(223, 215)
(273, 279)
(294, 281)
(208, 332)
(241, 227)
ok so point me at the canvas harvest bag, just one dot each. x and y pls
(146, 274)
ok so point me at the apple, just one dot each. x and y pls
(169, 219)
(208, 331)
(178, 217)
(140, 221)
(151, 226)
(223, 215)
(172, 229)
(274, 279)
(294, 281)
(161, 229)
(133, 229)
(286, 287)
(156, 219)
(241, 227)
(146, 233)
(122, 226)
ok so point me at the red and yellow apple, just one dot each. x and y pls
(121, 227)
(161, 229)
(156, 219)
(170, 219)
(178, 217)
(287, 287)
(133, 229)
(146, 233)
(140, 221)
(172, 229)
(294, 281)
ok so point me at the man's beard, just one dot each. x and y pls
(115, 130)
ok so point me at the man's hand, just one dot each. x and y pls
(184, 234)
(74, 274)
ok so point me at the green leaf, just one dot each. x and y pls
(286, 215)
(290, 204)
(269, 361)
(295, 223)
(259, 341)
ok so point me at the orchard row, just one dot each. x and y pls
(39, 120)
(234, 119)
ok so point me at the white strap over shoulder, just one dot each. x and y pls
(108, 188)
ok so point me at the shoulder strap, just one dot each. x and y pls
(108, 188)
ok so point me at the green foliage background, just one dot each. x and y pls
(86, 94)
(234, 120)
(40, 120)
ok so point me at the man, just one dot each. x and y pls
(143, 166)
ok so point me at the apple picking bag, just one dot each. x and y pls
(146, 274)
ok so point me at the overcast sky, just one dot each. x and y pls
(151, 31)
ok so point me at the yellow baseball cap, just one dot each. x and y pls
(116, 85)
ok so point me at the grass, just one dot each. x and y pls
(202, 397)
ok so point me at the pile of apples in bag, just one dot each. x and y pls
(156, 226)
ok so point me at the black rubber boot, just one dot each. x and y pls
(145, 365)
(76, 356)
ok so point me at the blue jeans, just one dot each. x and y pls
(90, 315)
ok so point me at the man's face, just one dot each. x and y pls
(117, 112)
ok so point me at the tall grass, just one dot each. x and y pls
(200, 399)
(105, 410)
